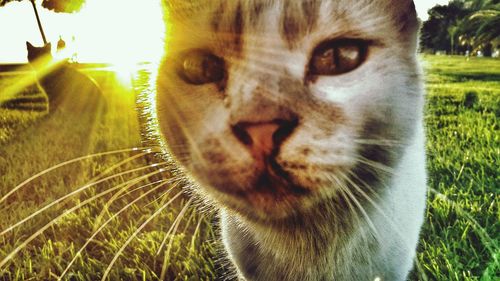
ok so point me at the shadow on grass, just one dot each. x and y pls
(466, 77)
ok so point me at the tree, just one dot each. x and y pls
(486, 22)
(440, 32)
(58, 6)
(462, 25)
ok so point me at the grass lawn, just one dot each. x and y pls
(120, 198)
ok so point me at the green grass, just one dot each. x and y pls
(460, 239)
(36, 141)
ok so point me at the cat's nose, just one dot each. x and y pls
(264, 138)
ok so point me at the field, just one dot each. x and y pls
(141, 226)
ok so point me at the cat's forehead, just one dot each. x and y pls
(308, 10)
(292, 19)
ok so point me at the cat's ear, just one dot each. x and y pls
(48, 46)
(29, 46)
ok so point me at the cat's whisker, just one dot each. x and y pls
(377, 166)
(121, 193)
(174, 184)
(81, 189)
(137, 231)
(360, 207)
(380, 142)
(195, 151)
(365, 185)
(170, 181)
(192, 244)
(376, 206)
(344, 190)
(67, 212)
(75, 160)
(171, 232)
(159, 184)
(173, 227)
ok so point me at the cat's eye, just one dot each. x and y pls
(200, 67)
(337, 57)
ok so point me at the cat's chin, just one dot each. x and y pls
(269, 200)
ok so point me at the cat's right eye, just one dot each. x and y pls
(200, 67)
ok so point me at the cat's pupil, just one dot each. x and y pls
(200, 67)
(337, 57)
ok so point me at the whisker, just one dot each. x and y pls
(379, 142)
(361, 208)
(377, 207)
(167, 181)
(120, 194)
(79, 190)
(376, 165)
(121, 163)
(160, 183)
(343, 192)
(192, 244)
(174, 185)
(67, 212)
(171, 232)
(70, 162)
(139, 229)
(172, 227)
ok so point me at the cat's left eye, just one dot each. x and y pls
(337, 57)
(200, 67)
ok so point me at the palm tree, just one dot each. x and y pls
(488, 22)
(483, 23)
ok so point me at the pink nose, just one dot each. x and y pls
(264, 138)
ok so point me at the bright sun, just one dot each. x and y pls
(120, 32)
(116, 31)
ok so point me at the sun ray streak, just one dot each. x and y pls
(137, 231)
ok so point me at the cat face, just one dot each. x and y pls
(275, 106)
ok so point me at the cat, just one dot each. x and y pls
(301, 121)
(67, 89)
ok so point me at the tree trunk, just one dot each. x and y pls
(39, 22)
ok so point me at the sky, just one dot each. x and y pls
(131, 33)
(102, 32)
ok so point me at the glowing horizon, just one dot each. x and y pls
(104, 31)
(110, 31)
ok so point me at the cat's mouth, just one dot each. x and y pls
(274, 180)
(271, 194)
